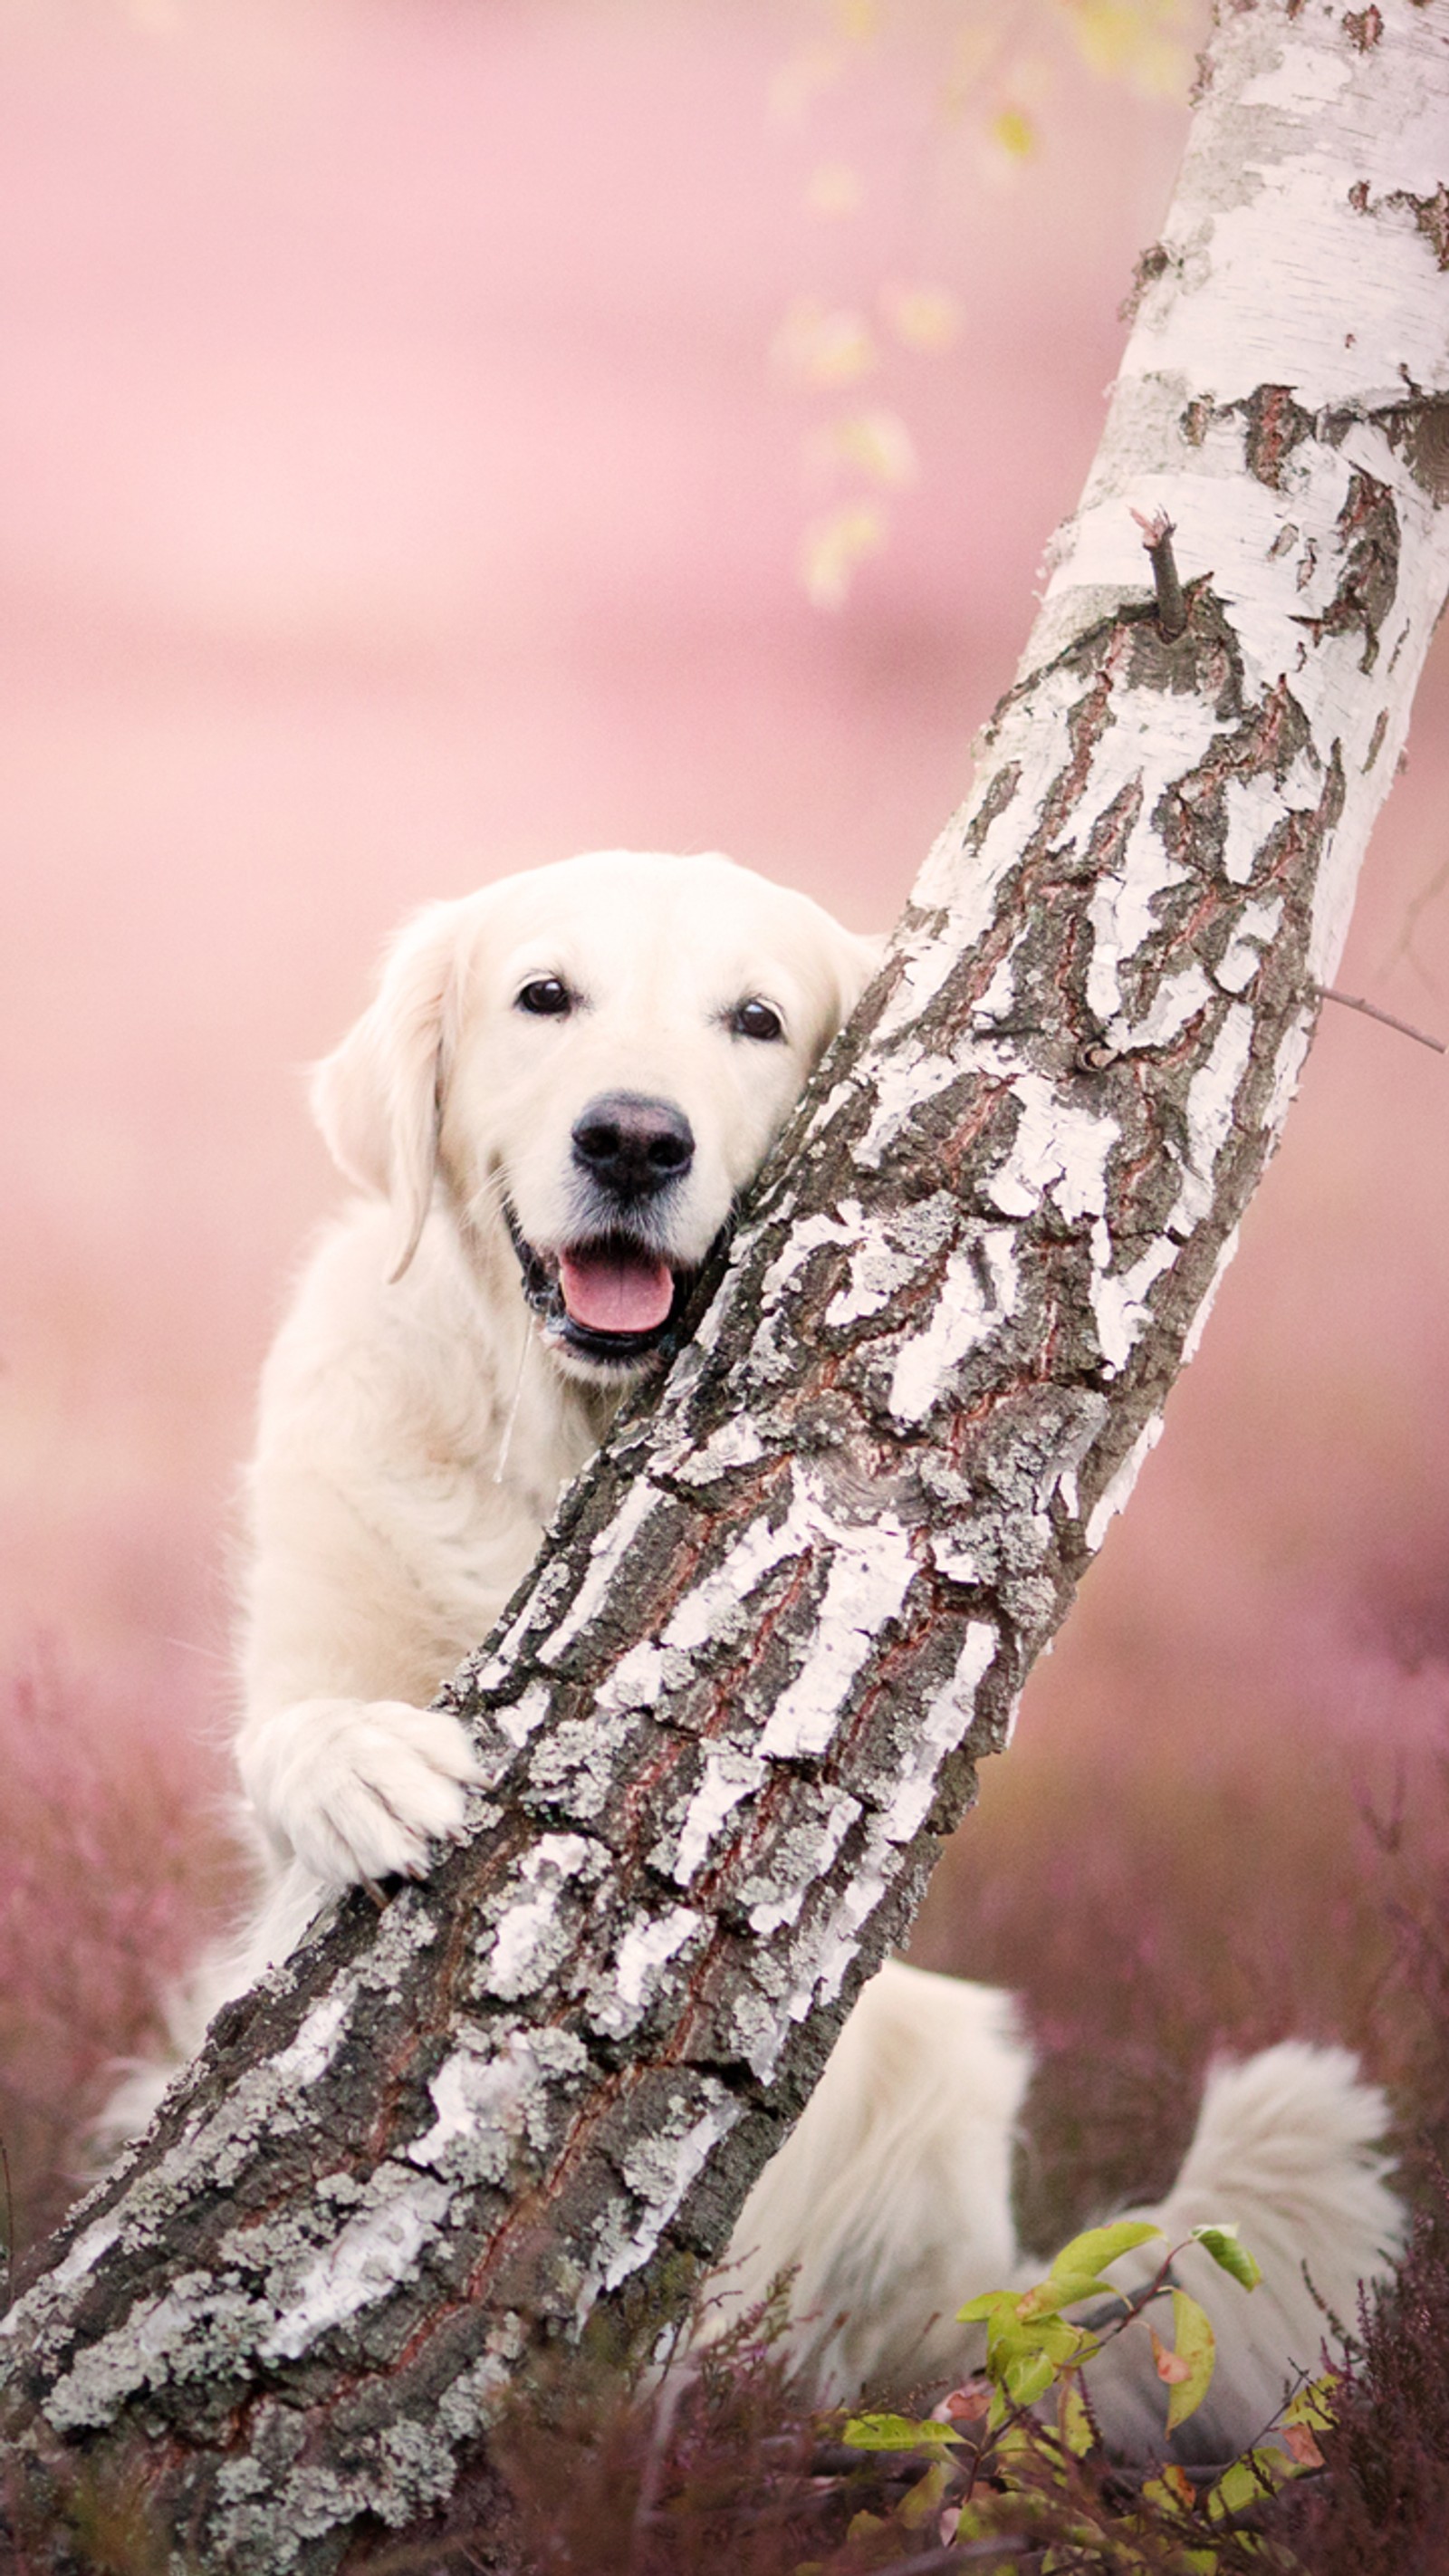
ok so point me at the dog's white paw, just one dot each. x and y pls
(358, 1788)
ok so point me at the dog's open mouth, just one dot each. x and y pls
(609, 1299)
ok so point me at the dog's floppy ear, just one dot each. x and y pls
(376, 1098)
(858, 954)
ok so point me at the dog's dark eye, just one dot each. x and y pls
(757, 1020)
(548, 996)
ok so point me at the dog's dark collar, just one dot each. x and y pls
(607, 1350)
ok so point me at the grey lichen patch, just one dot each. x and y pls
(408, 1927)
(580, 1771)
(795, 1838)
(469, 2402)
(734, 2020)
(312, 2290)
(715, 1781)
(644, 1972)
(203, 2327)
(655, 2138)
(533, 1922)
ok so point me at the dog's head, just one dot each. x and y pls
(591, 1062)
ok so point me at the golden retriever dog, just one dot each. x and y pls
(550, 1112)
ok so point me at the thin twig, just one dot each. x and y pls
(1418, 903)
(1371, 1011)
(1157, 536)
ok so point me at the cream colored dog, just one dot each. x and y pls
(551, 1109)
(553, 1105)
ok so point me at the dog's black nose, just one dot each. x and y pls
(632, 1146)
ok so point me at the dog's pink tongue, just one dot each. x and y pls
(616, 1292)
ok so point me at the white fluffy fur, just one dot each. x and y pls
(1285, 2149)
(892, 2198)
(417, 1425)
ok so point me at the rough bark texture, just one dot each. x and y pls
(731, 1712)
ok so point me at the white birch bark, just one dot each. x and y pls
(729, 1716)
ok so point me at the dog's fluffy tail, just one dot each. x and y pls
(1285, 2150)
(891, 2202)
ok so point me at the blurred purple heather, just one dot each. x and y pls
(400, 487)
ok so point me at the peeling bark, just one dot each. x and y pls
(729, 1715)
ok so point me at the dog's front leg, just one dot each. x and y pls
(356, 1789)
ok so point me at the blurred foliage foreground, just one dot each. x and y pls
(1151, 1906)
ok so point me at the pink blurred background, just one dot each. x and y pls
(398, 489)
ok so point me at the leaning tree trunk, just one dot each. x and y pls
(731, 1713)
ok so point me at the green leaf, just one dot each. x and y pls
(990, 2305)
(1051, 2334)
(1313, 2406)
(1237, 2488)
(1172, 2490)
(1059, 2337)
(863, 2525)
(1074, 2424)
(1096, 2247)
(897, 2433)
(1063, 2290)
(1195, 2345)
(925, 2497)
(1028, 2376)
(1017, 2437)
(1222, 2244)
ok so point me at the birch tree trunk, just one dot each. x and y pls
(732, 1711)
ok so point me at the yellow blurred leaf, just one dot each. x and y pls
(923, 317)
(833, 189)
(1013, 130)
(876, 443)
(857, 19)
(825, 346)
(835, 545)
(1140, 41)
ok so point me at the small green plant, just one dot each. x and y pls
(612, 2466)
(1013, 2464)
